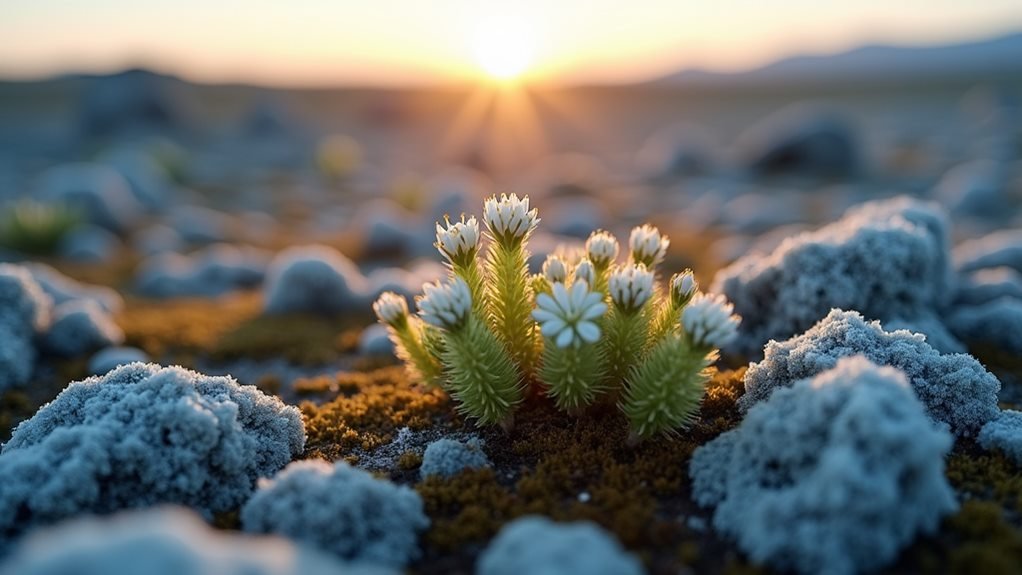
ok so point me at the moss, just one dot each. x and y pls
(183, 326)
(15, 407)
(302, 339)
(409, 461)
(977, 539)
(986, 542)
(987, 476)
(372, 407)
(575, 469)
(269, 383)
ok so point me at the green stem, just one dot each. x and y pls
(411, 348)
(573, 375)
(509, 302)
(664, 392)
(481, 375)
(473, 276)
(623, 342)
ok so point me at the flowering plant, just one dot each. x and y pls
(585, 329)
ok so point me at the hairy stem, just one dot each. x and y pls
(573, 375)
(664, 392)
(481, 375)
(509, 303)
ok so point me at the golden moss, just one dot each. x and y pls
(409, 460)
(184, 327)
(302, 339)
(370, 411)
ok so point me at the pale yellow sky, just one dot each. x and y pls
(324, 42)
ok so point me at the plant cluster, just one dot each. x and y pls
(588, 328)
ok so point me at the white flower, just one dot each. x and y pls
(584, 271)
(445, 305)
(568, 316)
(647, 245)
(391, 308)
(631, 286)
(555, 270)
(709, 320)
(683, 287)
(458, 241)
(509, 218)
(602, 248)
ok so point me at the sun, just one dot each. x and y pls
(503, 48)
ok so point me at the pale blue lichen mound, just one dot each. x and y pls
(538, 546)
(449, 457)
(1004, 433)
(954, 388)
(142, 435)
(996, 323)
(79, 327)
(313, 279)
(340, 509)
(835, 474)
(164, 541)
(24, 312)
(885, 259)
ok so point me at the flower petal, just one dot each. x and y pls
(588, 331)
(565, 338)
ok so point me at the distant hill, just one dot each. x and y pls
(998, 56)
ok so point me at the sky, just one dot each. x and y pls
(400, 42)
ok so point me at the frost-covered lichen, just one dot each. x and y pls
(165, 541)
(835, 474)
(932, 328)
(80, 326)
(954, 388)
(142, 435)
(313, 279)
(340, 509)
(449, 457)
(109, 358)
(886, 259)
(999, 249)
(62, 289)
(538, 546)
(997, 323)
(24, 313)
(1004, 432)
